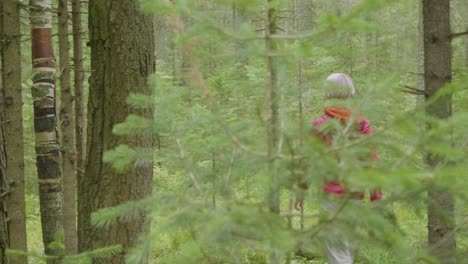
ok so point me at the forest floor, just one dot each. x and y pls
(412, 223)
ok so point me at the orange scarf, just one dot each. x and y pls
(342, 113)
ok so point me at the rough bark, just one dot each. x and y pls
(438, 73)
(12, 165)
(122, 58)
(78, 81)
(48, 159)
(67, 121)
(4, 234)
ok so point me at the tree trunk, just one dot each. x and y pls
(239, 17)
(4, 233)
(438, 73)
(161, 39)
(303, 21)
(273, 123)
(78, 75)
(48, 158)
(420, 55)
(122, 58)
(4, 236)
(465, 40)
(184, 78)
(68, 133)
(465, 43)
(272, 99)
(304, 13)
(12, 134)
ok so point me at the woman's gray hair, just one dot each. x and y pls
(343, 86)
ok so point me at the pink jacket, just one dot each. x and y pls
(335, 187)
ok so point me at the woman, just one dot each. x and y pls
(339, 88)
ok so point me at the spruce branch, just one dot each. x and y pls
(192, 176)
(458, 34)
(412, 90)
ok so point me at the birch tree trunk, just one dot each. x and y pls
(122, 58)
(438, 73)
(78, 75)
(68, 133)
(12, 163)
(48, 158)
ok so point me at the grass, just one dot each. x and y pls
(412, 222)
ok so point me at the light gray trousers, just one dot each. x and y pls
(339, 253)
(338, 247)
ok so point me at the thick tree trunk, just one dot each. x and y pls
(12, 163)
(78, 75)
(48, 158)
(122, 58)
(68, 133)
(438, 73)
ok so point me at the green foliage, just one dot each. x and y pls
(134, 126)
(210, 174)
(124, 156)
(82, 258)
(211, 171)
